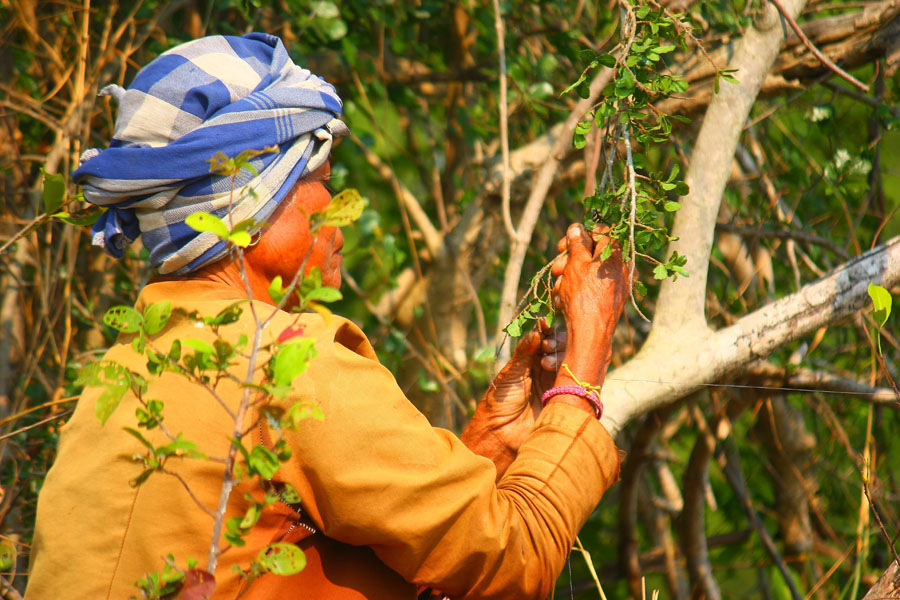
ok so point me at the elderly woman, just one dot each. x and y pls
(390, 506)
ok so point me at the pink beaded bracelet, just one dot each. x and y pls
(575, 390)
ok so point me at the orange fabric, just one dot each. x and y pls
(397, 504)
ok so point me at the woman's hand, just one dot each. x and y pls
(590, 294)
(506, 414)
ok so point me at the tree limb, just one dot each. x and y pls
(535, 202)
(681, 303)
(681, 367)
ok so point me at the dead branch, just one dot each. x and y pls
(692, 521)
(735, 475)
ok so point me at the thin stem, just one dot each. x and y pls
(504, 125)
(632, 192)
(818, 53)
(190, 493)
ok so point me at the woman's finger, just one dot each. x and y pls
(550, 362)
(559, 265)
(581, 246)
(562, 244)
(555, 342)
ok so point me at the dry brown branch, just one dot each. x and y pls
(811, 47)
(735, 476)
(692, 521)
(802, 236)
(638, 455)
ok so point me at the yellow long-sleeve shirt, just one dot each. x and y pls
(395, 503)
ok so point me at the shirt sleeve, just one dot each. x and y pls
(375, 473)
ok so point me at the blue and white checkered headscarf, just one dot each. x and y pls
(219, 93)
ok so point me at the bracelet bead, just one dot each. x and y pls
(575, 390)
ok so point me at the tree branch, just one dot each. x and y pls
(681, 303)
(682, 367)
(532, 211)
(818, 53)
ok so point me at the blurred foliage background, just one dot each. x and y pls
(815, 182)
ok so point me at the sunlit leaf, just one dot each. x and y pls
(124, 319)
(205, 222)
(276, 290)
(291, 360)
(54, 191)
(199, 346)
(345, 208)
(8, 555)
(282, 558)
(115, 381)
(156, 316)
(881, 303)
(263, 461)
(323, 294)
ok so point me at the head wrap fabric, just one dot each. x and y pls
(219, 93)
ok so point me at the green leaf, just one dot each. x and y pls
(640, 288)
(240, 238)
(292, 360)
(335, 29)
(289, 494)
(574, 85)
(115, 381)
(263, 461)
(156, 316)
(205, 222)
(8, 555)
(325, 9)
(300, 411)
(251, 516)
(323, 294)
(175, 351)
(583, 127)
(54, 191)
(607, 60)
(140, 437)
(85, 219)
(276, 289)
(881, 303)
(227, 315)
(514, 329)
(660, 272)
(199, 346)
(672, 206)
(124, 319)
(282, 558)
(344, 209)
(606, 252)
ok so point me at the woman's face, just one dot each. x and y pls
(287, 241)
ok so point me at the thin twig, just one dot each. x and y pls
(735, 476)
(504, 125)
(818, 53)
(802, 236)
(884, 532)
(190, 493)
(33, 425)
(632, 192)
